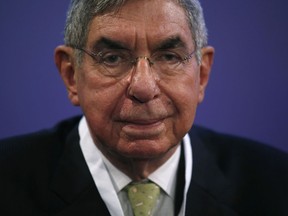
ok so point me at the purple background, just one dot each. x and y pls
(247, 93)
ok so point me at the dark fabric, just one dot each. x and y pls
(45, 174)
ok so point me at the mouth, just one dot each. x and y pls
(143, 128)
(142, 121)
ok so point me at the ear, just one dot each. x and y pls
(205, 68)
(64, 61)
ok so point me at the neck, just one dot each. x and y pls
(139, 169)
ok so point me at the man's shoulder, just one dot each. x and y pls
(239, 155)
(37, 142)
(239, 171)
(224, 142)
(28, 164)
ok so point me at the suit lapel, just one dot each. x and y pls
(209, 189)
(73, 189)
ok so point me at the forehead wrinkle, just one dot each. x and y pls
(171, 40)
(170, 32)
(110, 28)
(121, 26)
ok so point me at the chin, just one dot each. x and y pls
(146, 150)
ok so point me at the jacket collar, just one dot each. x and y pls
(209, 190)
(73, 189)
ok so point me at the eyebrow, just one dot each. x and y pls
(104, 42)
(171, 42)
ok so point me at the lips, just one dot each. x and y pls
(143, 128)
(142, 118)
(142, 121)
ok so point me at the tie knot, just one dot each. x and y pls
(143, 197)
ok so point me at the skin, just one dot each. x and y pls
(137, 120)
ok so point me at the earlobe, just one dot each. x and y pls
(64, 61)
(205, 68)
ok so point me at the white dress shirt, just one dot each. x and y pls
(110, 181)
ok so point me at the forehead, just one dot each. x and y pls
(142, 21)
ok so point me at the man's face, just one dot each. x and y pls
(143, 113)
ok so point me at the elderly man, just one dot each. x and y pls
(138, 69)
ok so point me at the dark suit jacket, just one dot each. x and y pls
(45, 174)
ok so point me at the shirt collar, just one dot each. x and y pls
(160, 176)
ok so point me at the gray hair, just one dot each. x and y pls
(82, 12)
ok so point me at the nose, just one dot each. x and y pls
(143, 85)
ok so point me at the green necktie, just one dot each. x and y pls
(143, 197)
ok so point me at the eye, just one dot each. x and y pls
(167, 57)
(113, 58)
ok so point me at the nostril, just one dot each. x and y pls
(135, 99)
(142, 93)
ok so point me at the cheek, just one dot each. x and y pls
(99, 109)
(184, 95)
(100, 106)
(99, 97)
